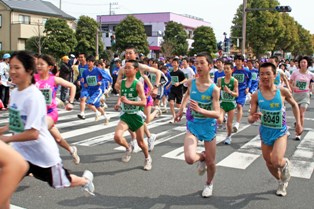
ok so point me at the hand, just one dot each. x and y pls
(99, 83)
(247, 90)
(154, 92)
(194, 106)
(124, 100)
(256, 116)
(178, 116)
(226, 89)
(298, 129)
(5, 138)
(69, 106)
(85, 85)
(177, 84)
(117, 107)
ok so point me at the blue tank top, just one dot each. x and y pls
(204, 100)
(277, 81)
(274, 112)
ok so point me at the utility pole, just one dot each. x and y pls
(97, 44)
(60, 4)
(243, 27)
(110, 8)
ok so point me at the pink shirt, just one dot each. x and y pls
(49, 89)
(301, 81)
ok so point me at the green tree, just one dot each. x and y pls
(263, 27)
(86, 33)
(204, 40)
(304, 45)
(36, 44)
(131, 32)
(175, 36)
(60, 38)
(288, 40)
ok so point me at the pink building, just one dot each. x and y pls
(154, 23)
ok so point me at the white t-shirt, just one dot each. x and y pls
(4, 73)
(27, 111)
(188, 73)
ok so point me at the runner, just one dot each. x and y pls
(300, 82)
(273, 130)
(229, 91)
(243, 75)
(27, 109)
(47, 83)
(201, 120)
(13, 168)
(132, 97)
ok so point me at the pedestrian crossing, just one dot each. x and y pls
(241, 158)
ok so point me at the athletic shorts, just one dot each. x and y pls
(149, 101)
(134, 121)
(53, 114)
(270, 135)
(202, 129)
(227, 106)
(94, 98)
(56, 176)
(84, 93)
(241, 98)
(175, 96)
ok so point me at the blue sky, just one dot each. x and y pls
(218, 12)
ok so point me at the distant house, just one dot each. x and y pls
(155, 25)
(22, 19)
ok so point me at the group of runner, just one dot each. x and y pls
(141, 87)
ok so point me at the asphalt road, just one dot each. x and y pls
(241, 181)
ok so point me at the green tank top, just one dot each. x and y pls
(131, 94)
(226, 97)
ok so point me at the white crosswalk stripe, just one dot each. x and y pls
(302, 159)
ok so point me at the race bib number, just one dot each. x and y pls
(174, 79)
(91, 81)
(272, 119)
(153, 79)
(254, 76)
(226, 97)
(81, 71)
(47, 95)
(206, 106)
(239, 77)
(130, 109)
(15, 121)
(301, 85)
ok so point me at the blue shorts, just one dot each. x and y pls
(270, 135)
(84, 93)
(94, 98)
(202, 129)
(241, 98)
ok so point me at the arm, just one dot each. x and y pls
(295, 109)
(119, 78)
(285, 80)
(254, 115)
(219, 82)
(27, 135)
(146, 68)
(184, 102)
(147, 81)
(72, 87)
(118, 104)
(13, 168)
(141, 95)
(235, 91)
(249, 82)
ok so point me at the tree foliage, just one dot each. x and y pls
(131, 32)
(175, 36)
(86, 32)
(270, 30)
(60, 38)
(204, 40)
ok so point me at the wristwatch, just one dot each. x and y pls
(156, 86)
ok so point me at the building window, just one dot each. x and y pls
(148, 30)
(0, 21)
(44, 21)
(24, 19)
